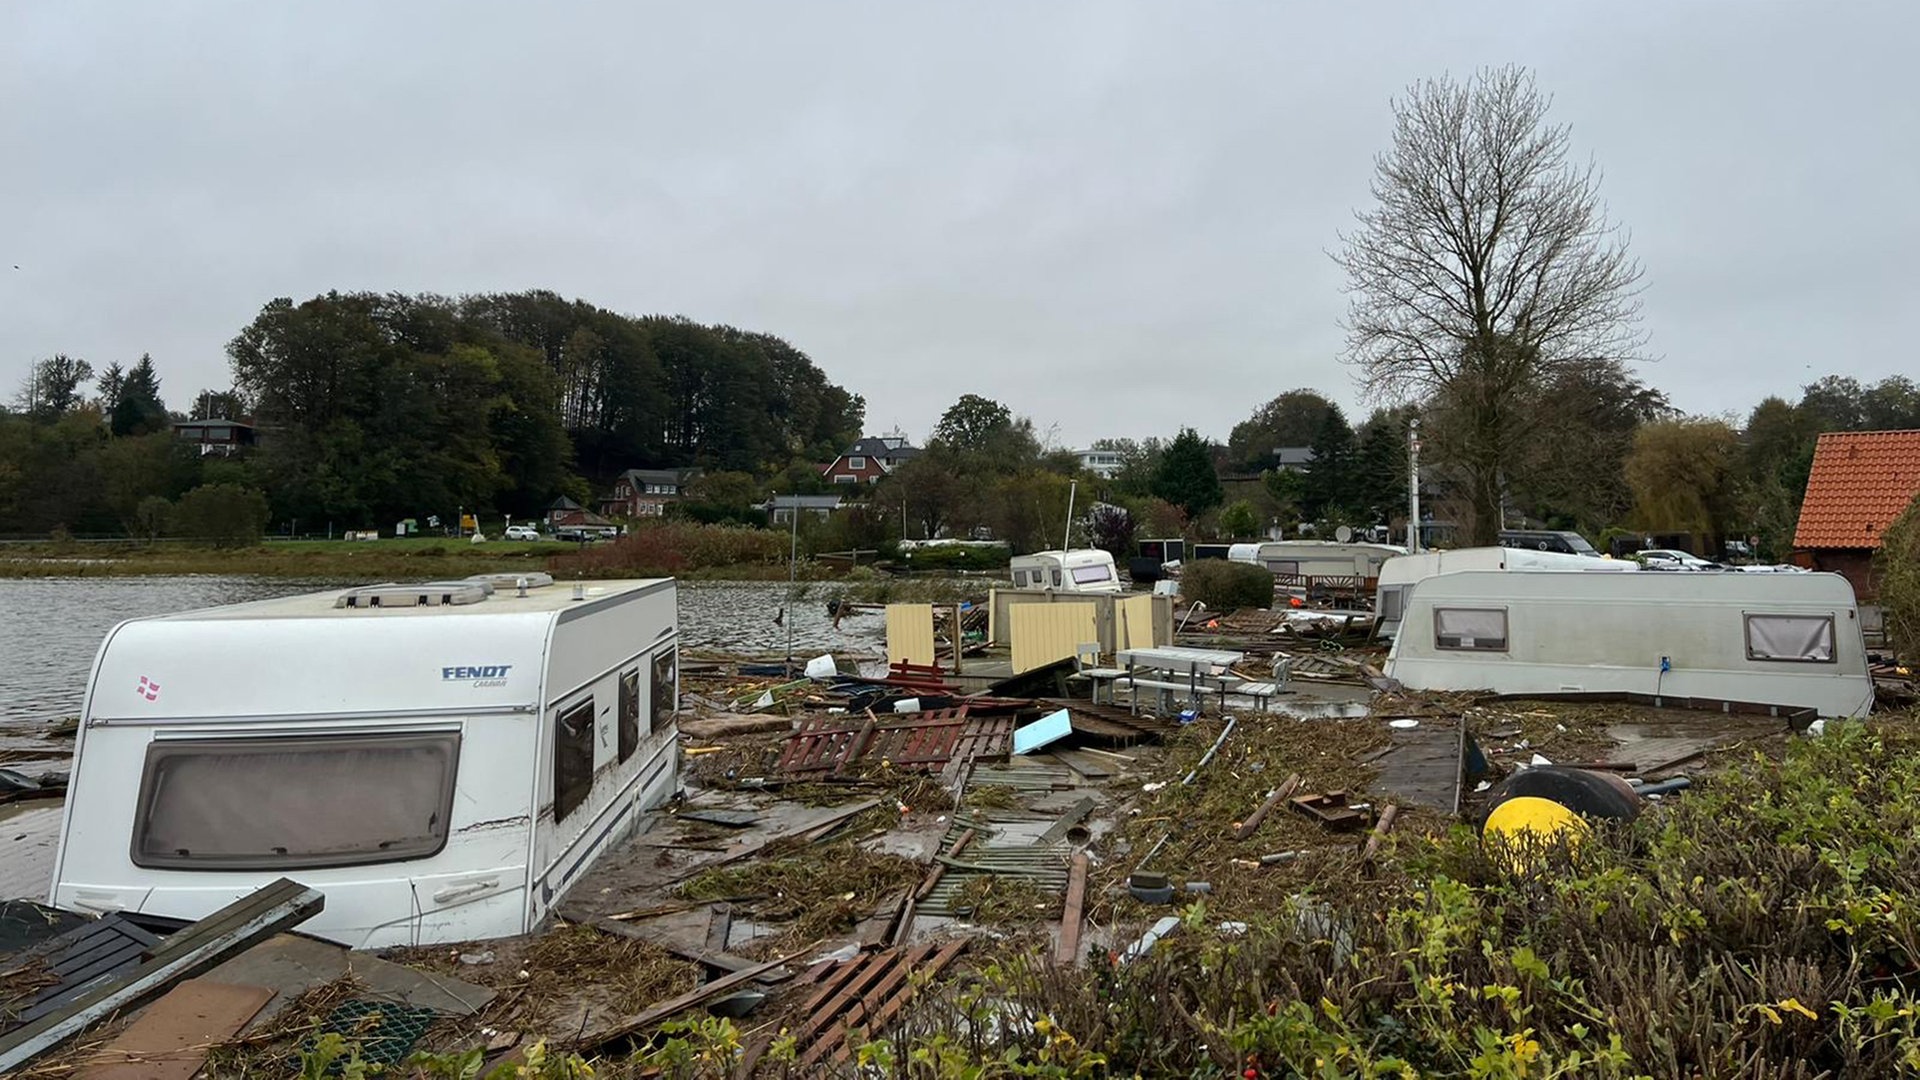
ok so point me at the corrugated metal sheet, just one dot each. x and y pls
(1135, 625)
(1045, 866)
(909, 633)
(1045, 633)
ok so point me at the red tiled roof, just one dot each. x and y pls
(1861, 481)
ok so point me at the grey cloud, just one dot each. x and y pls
(1112, 216)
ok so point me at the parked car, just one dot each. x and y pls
(1566, 543)
(1667, 559)
(522, 532)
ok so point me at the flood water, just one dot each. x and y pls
(50, 629)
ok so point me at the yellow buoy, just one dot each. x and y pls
(1528, 824)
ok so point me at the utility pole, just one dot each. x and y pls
(1413, 484)
(793, 562)
(1066, 537)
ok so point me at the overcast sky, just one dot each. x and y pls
(1114, 217)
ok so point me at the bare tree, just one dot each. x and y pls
(1486, 268)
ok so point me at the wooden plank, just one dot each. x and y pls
(608, 1039)
(1246, 828)
(1067, 953)
(231, 930)
(171, 1040)
(718, 959)
(939, 868)
(1058, 830)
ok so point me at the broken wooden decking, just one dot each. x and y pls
(921, 741)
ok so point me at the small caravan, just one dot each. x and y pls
(1787, 640)
(442, 761)
(1400, 573)
(1325, 558)
(1080, 571)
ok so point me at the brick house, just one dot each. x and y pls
(869, 459)
(647, 492)
(1861, 481)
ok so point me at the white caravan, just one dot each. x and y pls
(442, 761)
(1792, 640)
(1400, 573)
(1078, 571)
(1325, 558)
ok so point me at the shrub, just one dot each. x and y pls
(958, 557)
(224, 515)
(1226, 586)
(1898, 564)
(672, 547)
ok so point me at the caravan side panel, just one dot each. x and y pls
(612, 663)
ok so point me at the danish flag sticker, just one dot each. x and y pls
(148, 689)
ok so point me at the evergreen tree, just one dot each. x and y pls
(1185, 477)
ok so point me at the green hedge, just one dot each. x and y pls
(1226, 586)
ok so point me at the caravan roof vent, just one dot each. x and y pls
(532, 579)
(431, 594)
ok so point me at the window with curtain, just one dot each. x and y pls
(1806, 639)
(666, 687)
(1474, 629)
(572, 758)
(281, 802)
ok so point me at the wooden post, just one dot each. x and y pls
(1246, 828)
(959, 639)
(1380, 830)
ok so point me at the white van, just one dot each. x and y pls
(1791, 640)
(1083, 570)
(1401, 573)
(442, 761)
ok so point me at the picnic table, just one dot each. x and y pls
(1172, 668)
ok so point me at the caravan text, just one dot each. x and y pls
(482, 675)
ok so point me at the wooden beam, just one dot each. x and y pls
(939, 869)
(231, 930)
(1067, 953)
(604, 1041)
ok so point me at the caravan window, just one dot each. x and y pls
(572, 758)
(629, 712)
(1089, 575)
(1056, 578)
(1800, 638)
(1477, 629)
(1020, 578)
(666, 685)
(1284, 567)
(1391, 604)
(278, 803)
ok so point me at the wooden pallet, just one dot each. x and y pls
(861, 996)
(922, 741)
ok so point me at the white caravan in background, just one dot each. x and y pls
(1791, 640)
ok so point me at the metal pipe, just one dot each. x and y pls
(1211, 750)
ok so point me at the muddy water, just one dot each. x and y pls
(50, 629)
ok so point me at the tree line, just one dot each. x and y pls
(372, 408)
